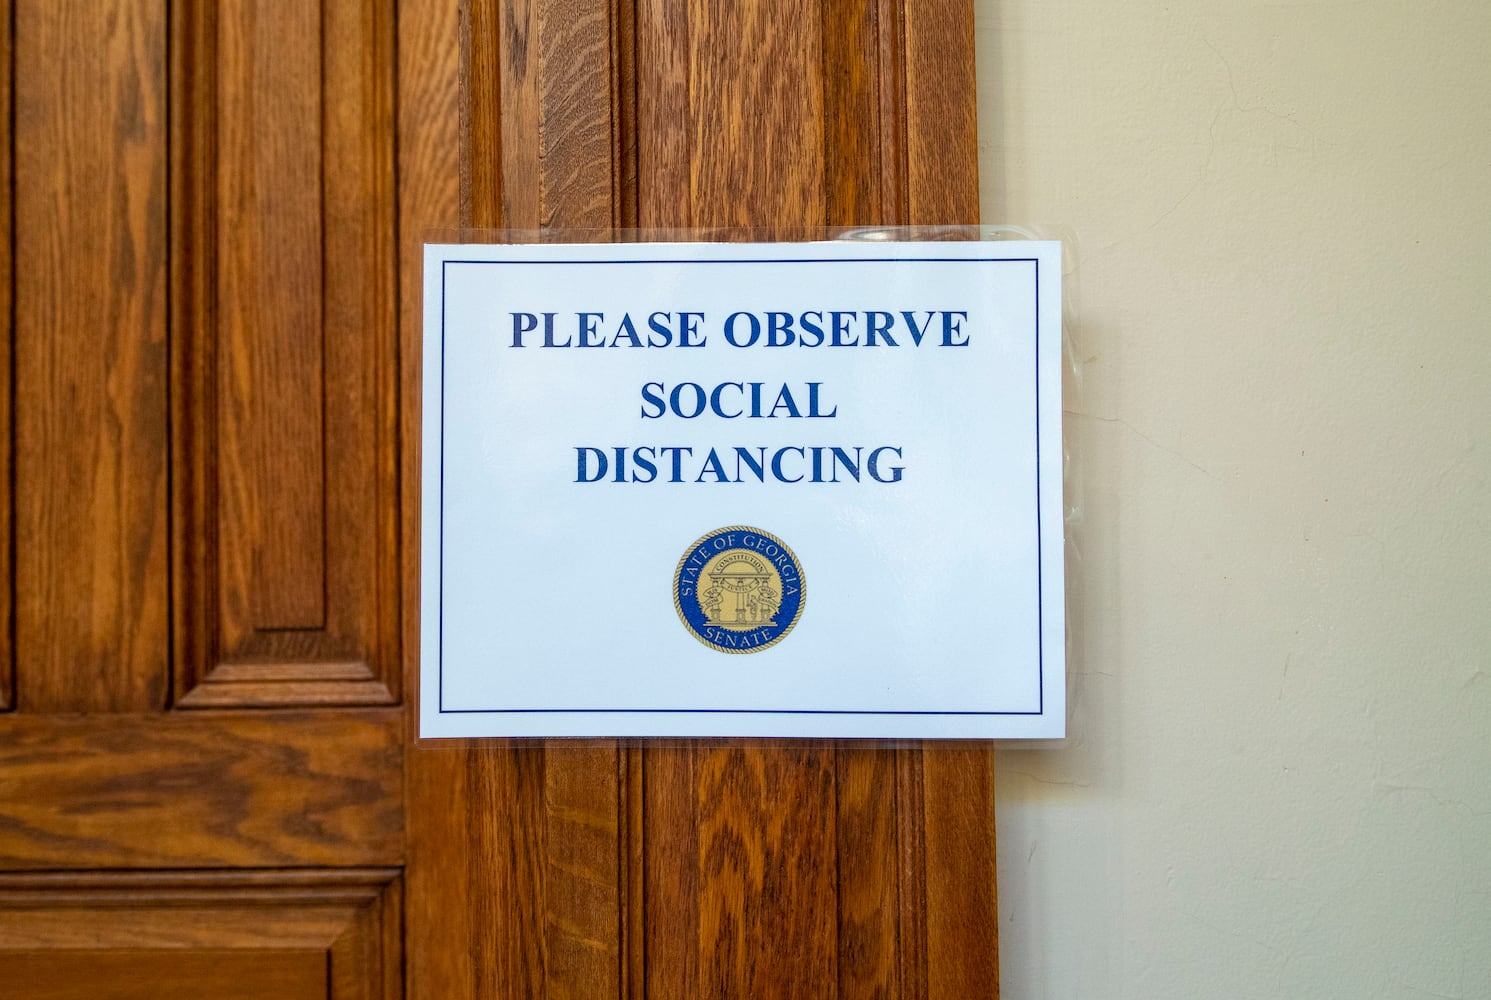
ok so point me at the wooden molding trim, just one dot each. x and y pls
(223, 789)
(7, 390)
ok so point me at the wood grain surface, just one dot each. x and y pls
(869, 915)
(7, 342)
(941, 118)
(663, 39)
(954, 782)
(285, 397)
(851, 100)
(91, 615)
(755, 91)
(271, 342)
(189, 790)
(527, 856)
(958, 873)
(767, 871)
(446, 849)
(905, 878)
(144, 975)
(315, 933)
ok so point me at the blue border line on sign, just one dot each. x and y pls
(1040, 541)
(1040, 590)
(440, 579)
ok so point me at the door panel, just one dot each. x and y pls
(92, 601)
(100, 974)
(284, 340)
(250, 934)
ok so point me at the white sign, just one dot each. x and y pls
(742, 490)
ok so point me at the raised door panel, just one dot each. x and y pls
(164, 159)
(285, 350)
(145, 975)
(203, 427)
(325, 935)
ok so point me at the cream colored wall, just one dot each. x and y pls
(1278, 780)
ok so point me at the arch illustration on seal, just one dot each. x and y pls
(739, 589)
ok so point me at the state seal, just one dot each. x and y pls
(739, 589)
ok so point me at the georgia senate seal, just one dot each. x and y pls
(739, 589)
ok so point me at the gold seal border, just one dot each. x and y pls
(802, 586)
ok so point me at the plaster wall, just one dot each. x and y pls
(1278, 779)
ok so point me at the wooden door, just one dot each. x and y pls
(201, 769)
(209, 781)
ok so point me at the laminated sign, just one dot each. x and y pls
(742, 490)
